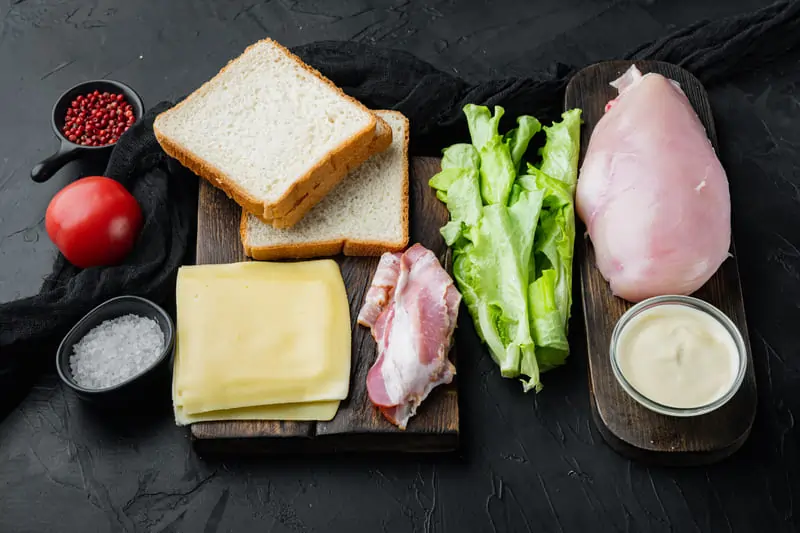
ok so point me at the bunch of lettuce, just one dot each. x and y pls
(512, 231)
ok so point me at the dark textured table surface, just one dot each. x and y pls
(528, 463)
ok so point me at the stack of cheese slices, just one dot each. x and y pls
(316, 174)
(261, 341)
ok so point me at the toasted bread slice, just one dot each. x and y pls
(268, 129)
(365, 214)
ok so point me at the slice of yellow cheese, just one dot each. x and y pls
(259, 334)
(321, 411)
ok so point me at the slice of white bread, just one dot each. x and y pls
(365, 214)
(268, 130)
(381, 141)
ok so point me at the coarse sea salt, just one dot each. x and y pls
(115, 351)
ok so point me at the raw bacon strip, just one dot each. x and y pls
(381, 289)
(399, 415)
(414, 332)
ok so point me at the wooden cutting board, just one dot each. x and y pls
(627, 426)
(358, 426)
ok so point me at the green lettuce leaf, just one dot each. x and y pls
(467, 276)
(519, 138)
(562, 148)
(550, 291)
(497, 171)
(482, 125)
(502, 312)
(496, 271)
(464, 199)
(460, 156)
(555, 238)
(444, 179)
(452, 231)
(525, 214)
(516, 190)
(547, 327)
(497, 168)
(464, 203)
(457, 160)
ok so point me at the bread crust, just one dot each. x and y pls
(326, 173)
(347, 247)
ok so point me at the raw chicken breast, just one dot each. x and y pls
(652, 192)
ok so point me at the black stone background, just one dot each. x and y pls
(529, 463)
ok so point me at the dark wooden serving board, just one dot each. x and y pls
(357, 426)
(627, 426)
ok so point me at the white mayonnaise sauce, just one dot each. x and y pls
(677, 356)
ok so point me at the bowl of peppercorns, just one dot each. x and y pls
(89, 118)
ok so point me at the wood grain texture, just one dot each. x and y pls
(627, 426)
(357, 426)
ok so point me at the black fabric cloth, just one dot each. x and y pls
(381, 79)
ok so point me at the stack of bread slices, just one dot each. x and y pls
(315, 172)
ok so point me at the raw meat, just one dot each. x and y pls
(652, 193)
(381, 289)
(413, 329)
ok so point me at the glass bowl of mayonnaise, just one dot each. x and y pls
(678, 355)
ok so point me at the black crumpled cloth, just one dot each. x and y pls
(381, 79)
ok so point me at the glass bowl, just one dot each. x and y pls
(694, 303)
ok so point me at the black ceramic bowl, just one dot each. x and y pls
(68, 150)
(152, 382)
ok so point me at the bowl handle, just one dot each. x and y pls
(44, 170)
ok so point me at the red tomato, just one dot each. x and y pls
(93, 221)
